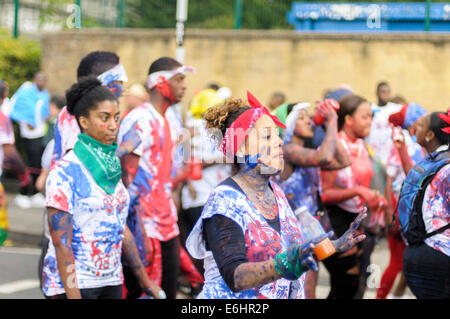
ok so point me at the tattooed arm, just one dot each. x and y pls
(341, 160)
(61, 228)
(299, 155)
(131, 255)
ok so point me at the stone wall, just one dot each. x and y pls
(302, 65)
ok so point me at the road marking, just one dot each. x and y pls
(20, 251)
(19, 285)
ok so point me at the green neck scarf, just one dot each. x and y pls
(101, 160)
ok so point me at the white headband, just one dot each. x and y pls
(291, 119)
(117, 73)
(160, 76)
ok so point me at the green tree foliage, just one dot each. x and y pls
(19, 59)
(217, 14)
(213, 14)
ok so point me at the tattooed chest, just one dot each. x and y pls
(266, 205)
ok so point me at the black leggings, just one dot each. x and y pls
(107, 292)
(343, 285)
(170, 254)
(34, 149)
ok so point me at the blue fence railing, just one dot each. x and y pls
(370, 17)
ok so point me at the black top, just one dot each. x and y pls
(224, 237)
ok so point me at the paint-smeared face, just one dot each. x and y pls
(178, 86)
(102, 124)
(361, 120)
(303, 127)
(263, 147)
(116, 88)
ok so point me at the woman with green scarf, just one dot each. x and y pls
(87, 206)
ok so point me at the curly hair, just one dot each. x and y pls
(222, 116)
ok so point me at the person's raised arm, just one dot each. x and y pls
(299, 155)
(61, 229)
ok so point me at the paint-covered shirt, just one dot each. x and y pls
(66, 134)
(380, 132)
(204, 148)
(358, 174)
(6, 135)
(302, 188)
(261, 240)
(394, 166)
(148, 134)
(98, 226)
(436, 210)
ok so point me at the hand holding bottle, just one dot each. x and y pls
(297, 259)
(325, 111)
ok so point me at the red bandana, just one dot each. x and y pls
(238, 131)
(446, 118)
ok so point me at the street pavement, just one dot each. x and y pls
(19, 261)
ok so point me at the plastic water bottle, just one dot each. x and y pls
(311, 229)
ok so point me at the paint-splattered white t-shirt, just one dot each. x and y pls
(98, 226)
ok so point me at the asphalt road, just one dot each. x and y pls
(19, 273)
(19, 279)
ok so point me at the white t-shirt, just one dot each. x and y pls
(205, 149)
(380, 138)
(99, 223)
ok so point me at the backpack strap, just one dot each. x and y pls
(437, 231)
(422, 195)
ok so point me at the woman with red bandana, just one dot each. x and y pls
(145, 150)
(346, 192)
(247, 234)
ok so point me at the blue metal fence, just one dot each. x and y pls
(369, 17)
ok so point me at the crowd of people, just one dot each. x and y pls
(147, 200)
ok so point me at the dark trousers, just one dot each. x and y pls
(170, 255)
(343, 285)
(427, 272)
(34, 149)
(44, 249)
(107, 292)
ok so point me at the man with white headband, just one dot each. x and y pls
(145, 149)
(103, 64)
